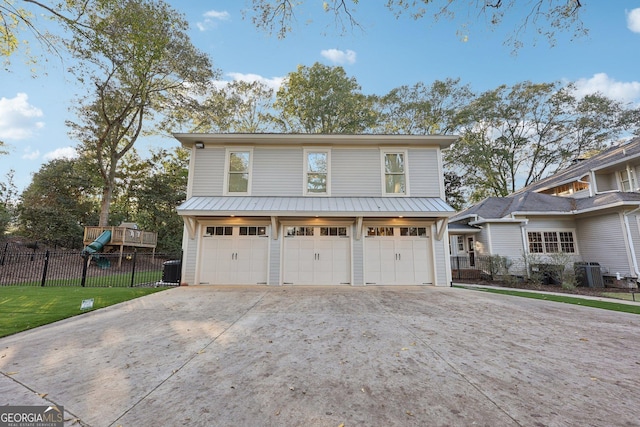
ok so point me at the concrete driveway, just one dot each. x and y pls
(327, 356)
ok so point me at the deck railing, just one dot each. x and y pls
(123, 236)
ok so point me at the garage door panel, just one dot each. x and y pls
(317, 258)
(234, 259)
(401, 257)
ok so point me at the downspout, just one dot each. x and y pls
(629, 238)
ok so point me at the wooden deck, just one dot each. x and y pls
(122, 236)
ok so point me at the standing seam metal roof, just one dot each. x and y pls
(209, 205)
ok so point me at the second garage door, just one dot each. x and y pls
(317, 256)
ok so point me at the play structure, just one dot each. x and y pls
(96, 246)
(111, 239)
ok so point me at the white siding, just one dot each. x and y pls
(358, 259)
(424, 174)
(441, 257)
(550, 224)
(208, 176)
(356, 172)
(277, 172)
(190, 247)
(602, 239)
(606, 182)
(482, 241)
(275, 258)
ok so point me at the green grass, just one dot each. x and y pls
(606, 305)
(622, 295)
(24, 307)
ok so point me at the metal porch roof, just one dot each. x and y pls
(324, 206)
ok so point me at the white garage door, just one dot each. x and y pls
(398, 256)
(317, 256)
(234, 255)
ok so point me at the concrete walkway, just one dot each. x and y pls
(326, 356)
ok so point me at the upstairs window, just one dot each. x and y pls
(316, 172)
(395, 173)
(238, 171)
(627, 180)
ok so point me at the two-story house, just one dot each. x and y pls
(301, 209)
(589, 211)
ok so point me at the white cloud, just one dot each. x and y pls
(633, 20)
(274, 82)
(339, 56)
(18, 118)
(61, 153)
(30, 154)
(602, 83)
(211, 19)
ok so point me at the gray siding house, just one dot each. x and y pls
(299, 209)
(589, 212)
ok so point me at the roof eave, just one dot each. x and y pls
(189, 139)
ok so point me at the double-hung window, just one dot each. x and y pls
(238, 171)
(316, 165)
(627, 180)
(549, 242)
(395, 172)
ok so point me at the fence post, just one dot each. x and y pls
(46, 267)
(458, 267)
(133, 269)
(4, 253)
(85, 259)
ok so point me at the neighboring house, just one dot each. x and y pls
(588, 212)
(300, 209)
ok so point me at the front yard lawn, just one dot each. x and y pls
(607, 305)
(26, 307)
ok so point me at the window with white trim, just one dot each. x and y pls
(627, 180)
(395, 172)
(238, 171)
(316, 166)
(550, 242)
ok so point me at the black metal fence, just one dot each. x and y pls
(474, 268)
(69, 268)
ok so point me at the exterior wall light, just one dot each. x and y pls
(199, 144)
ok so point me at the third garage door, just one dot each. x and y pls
(398, 256)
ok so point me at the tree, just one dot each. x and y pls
(517, 135)
(422, 109)
(57, 204)
(240, 106)
(15, 20)
(8, 193)
(453, 189)
(322, 99)
(544, 17)
(141, 62)
(160, 193)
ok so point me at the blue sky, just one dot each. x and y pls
(384, 54)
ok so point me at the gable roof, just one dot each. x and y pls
(580, 168)
(494, 208)
(528, 201)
